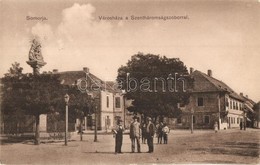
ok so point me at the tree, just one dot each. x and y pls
(36, 94)
(81, 104)
(14, 71)
(32, 95)
(13, 113)
(155, 84)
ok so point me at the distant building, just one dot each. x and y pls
(212, 101)
(248, 107)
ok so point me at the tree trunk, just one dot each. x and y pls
(37, 130)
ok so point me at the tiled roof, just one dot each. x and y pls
(71, 77)
(205, 83)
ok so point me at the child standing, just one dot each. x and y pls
(165, 131)
(216, 127)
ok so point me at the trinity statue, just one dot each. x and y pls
(35, 53)
(35, 57)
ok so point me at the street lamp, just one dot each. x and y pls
(66, 98)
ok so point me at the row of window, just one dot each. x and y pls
(233, 120)
(206, 120)
(117, 102)
(233, 104)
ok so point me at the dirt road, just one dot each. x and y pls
(229, 146)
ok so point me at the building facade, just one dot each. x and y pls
(109, 99)
(212, 101)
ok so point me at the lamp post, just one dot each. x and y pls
(66, 98)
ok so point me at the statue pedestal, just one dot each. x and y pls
(36, 65)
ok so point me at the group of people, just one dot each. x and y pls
(162, 133)
(146, 131)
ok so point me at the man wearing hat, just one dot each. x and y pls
(135, 134)
(150, 130)
(118, 131)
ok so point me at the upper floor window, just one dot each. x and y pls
(234, 106)
(200, 101)
(107, 101)
(227, 103)
(230, 104)
(118, 103)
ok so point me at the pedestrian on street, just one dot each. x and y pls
(159, 132)
(118, 133)
(143, 132)
(150, 130)
(216, 127)
(135, 134)
(165, 131)
(241, 125)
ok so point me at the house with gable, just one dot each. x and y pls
(212, 101)
(108, 98)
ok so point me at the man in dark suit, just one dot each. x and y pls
(150, 130)
(118, 136)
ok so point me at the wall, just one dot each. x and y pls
(107, 109)
(209, 109)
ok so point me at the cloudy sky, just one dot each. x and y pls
(219, 35)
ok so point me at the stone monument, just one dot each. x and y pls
(35, 57)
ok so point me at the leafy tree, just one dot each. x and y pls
(32, 95)
(15, 70)
(13, 113)
(155, 84)
(36, 94)
(81, 105)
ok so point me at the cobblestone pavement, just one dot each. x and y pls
(203, 146)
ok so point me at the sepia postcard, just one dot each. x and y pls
(130, 82)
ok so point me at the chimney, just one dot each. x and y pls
(246, 96)
(191, 70)
(86, 69)
(241, 94)
(55, 70)
(210, 73)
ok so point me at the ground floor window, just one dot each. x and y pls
(206, 119)
(179, 120)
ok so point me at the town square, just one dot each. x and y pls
(159, 82)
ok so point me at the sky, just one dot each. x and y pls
(219, 35)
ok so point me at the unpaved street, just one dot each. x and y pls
(203, 146)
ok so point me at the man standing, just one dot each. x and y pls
(150, 129)
(135, 133)
(119, 136)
